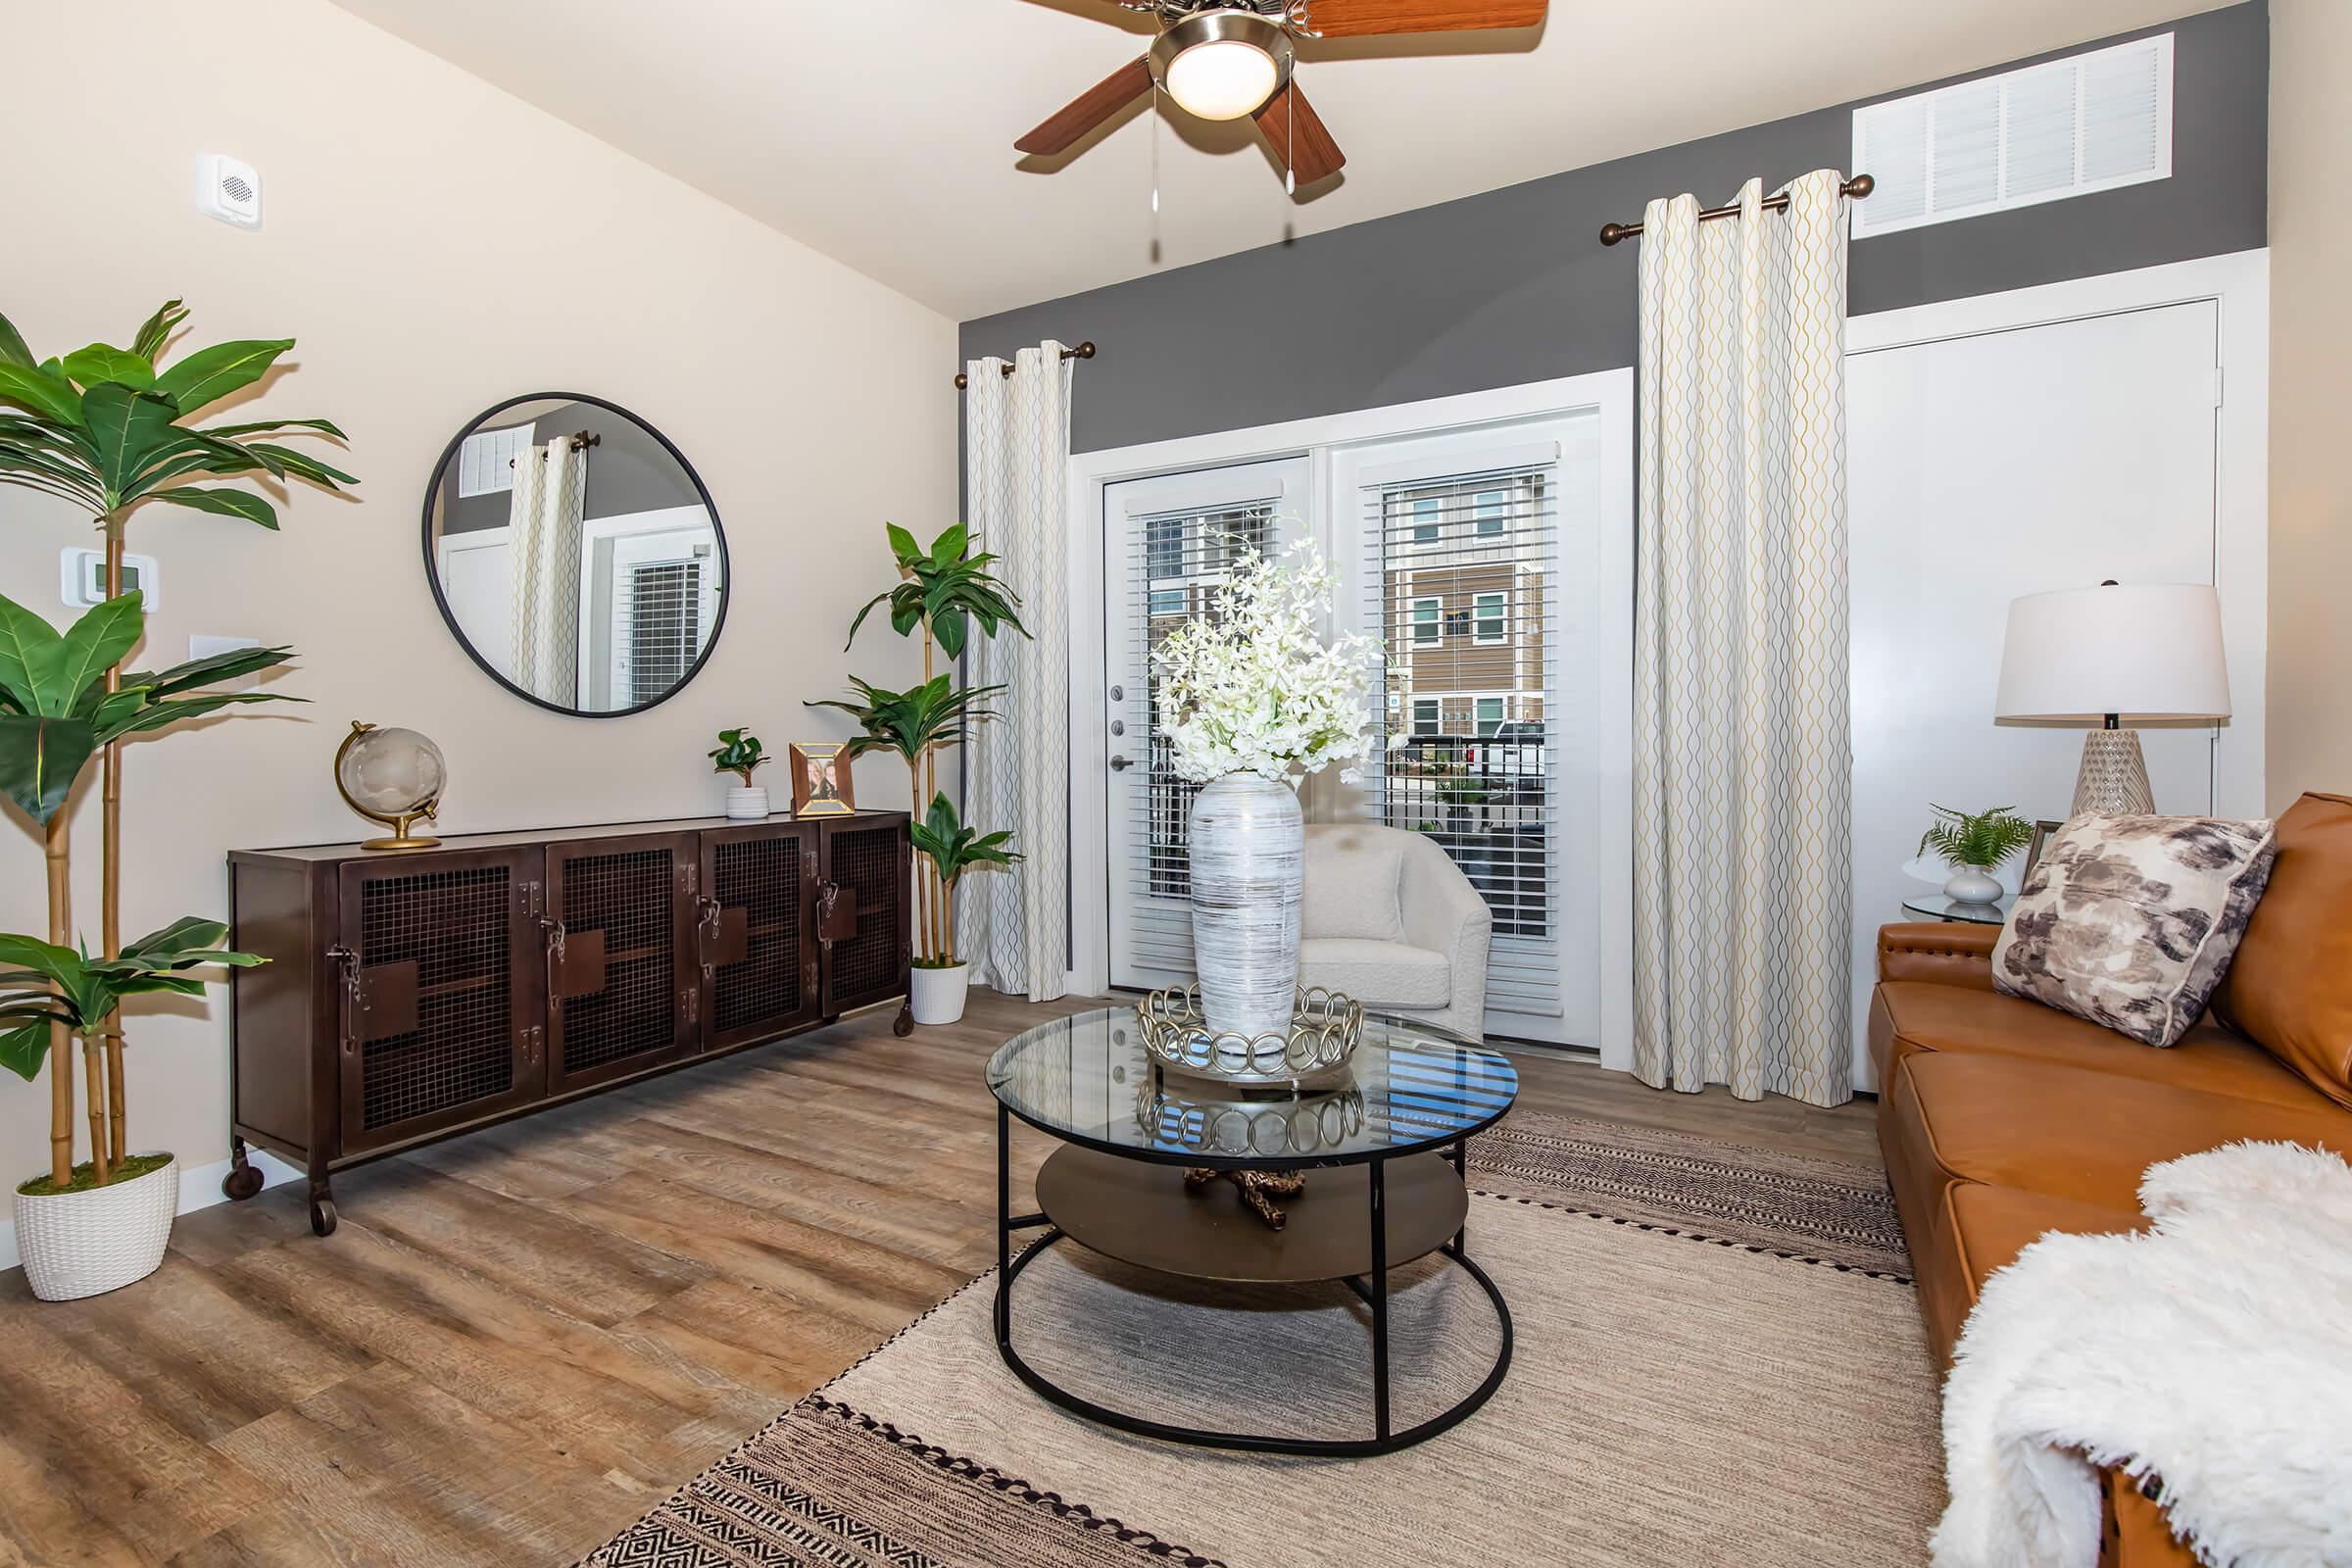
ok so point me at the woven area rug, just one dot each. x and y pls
(1718, 1359)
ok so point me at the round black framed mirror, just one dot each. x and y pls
(575, 555)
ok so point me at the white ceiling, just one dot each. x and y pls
(880, 131)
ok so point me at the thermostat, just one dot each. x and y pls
(81, 578)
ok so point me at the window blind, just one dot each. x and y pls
(1458, 585)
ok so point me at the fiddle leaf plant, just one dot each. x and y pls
(738, 751)
(1982, 839)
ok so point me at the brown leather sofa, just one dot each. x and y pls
(2002, 1119)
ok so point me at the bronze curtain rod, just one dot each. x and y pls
(1858, 188)
(1084, 351)
(579, 439)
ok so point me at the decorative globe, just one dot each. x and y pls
(392, 772)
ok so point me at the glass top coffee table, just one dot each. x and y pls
(1386, 1142)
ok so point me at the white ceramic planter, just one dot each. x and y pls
(1972, 885)
(936, 996)
(87, 1243)
(1246, 864)
(746, 805)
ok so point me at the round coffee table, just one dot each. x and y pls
(1387, 1141)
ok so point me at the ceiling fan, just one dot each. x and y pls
(1227, 59)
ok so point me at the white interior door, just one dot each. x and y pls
(1986, 466)
(1167, 542)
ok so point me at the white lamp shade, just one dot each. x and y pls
(2140, 650)
(1223, 79)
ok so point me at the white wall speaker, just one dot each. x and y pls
(229, 190)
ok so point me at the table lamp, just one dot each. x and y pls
(2112, 654)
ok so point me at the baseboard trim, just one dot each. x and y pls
(199, 1188)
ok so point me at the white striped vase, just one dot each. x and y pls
(1246, 847)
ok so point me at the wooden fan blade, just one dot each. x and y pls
(1068, 125)
(1315, 156)
(1356, 19)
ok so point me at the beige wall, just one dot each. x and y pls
(2311, 400)
(435, 246)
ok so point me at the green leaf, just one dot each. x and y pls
(205, 671)
(903, 545)
(179, 710)
(148, 341)
(40, 757)
(952, 629)
(948, 547)
(273, 426)
(210, 375)
(12, 344)
(301, 468)
(49, 960)
(64, 670)
(22, 1050)
(104, 710)
(59, 478)
(104, 362)
(127, 426)
(228, 503)
(23, 639)
(32, 388)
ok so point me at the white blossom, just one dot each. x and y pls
(1253, 688)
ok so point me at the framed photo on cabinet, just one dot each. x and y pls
(821, 780)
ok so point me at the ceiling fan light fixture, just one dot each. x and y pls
(1222, 65)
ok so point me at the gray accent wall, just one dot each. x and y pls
(1513, 285)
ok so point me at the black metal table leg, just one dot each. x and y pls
(1380, 1300)
(1461, 1171)
(1004, 1219)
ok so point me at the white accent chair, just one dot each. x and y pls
(1391, 920)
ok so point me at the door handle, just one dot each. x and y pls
(1120, 765)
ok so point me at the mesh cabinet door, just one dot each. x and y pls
(758, 930)
(618, 948)
(863, 919)
(437, 1006)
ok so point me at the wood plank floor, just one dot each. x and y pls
(520, 1341)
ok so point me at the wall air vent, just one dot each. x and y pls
(2088, 122)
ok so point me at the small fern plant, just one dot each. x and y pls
(1982, 839)
(738, 751)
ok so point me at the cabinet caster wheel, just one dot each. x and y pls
(904, 1024)
(241, 1183)
(323, 1216)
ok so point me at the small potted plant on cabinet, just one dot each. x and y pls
(738, 752)
(101, 428)
(1973, 845)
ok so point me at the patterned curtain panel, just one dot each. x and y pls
(1742, 794)
(550, 498)
(1013, 924)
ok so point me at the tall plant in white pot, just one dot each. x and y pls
(1258, 698)
(109, 430)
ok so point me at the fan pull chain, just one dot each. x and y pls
(1155, 172)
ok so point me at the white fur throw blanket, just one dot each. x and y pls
(2212, 1353)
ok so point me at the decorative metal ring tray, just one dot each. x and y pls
(1322, 1037)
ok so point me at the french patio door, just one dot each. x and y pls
(1169, 541)
(1477, 558)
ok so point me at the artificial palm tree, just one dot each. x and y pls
(102, 428)
(942, 591)
(954, 849)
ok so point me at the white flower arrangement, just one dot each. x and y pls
(1252, 687)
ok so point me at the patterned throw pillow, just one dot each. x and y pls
(2129, 921)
